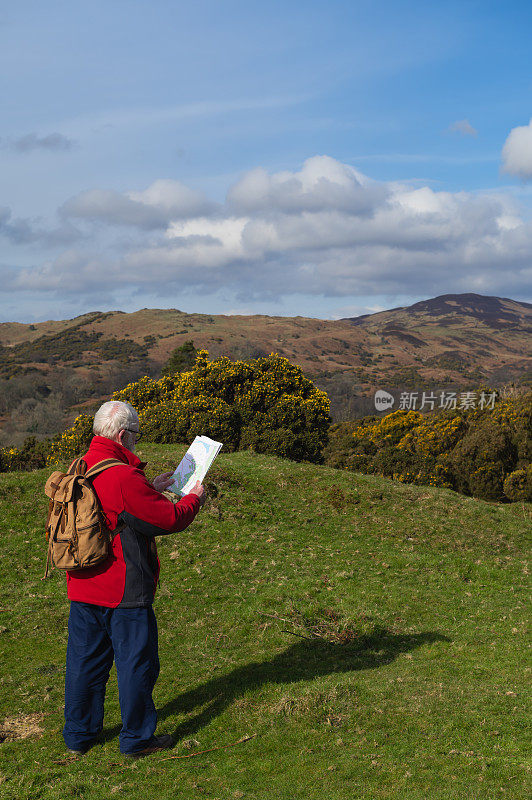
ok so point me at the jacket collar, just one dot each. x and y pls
(104, 448)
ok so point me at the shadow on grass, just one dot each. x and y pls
(304, 660)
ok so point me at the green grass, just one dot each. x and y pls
(398, 669)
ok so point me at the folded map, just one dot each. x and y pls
(194, 464)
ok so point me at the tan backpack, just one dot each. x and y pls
(76, 528)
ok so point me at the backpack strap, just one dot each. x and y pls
(78, 467)
(103, 465)
(48, 557)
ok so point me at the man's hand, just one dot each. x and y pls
(162, 482)
(199, 490)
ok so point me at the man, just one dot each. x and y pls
(111, 613)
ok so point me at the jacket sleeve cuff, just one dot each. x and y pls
(194, 498)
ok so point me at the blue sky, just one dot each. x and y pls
(314, 158)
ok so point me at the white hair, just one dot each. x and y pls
(113, 417)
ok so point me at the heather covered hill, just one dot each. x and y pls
(462, 341)
(451, 337)
(460, 334)
(495, 311)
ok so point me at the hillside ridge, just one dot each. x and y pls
(460, 341)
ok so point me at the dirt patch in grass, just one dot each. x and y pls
(338, 500)
(21, 727)
(330, 626)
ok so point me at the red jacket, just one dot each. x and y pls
(129, 576)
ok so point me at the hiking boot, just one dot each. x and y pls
(164, 742)
(76, 752)
(81, 751)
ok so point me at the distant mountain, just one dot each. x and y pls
(461, 340)
(496, 312)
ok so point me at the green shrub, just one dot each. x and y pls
(32, 455)
(518, 484)
(68, 346)
(181, 359)
(482, 458)
(73, 442)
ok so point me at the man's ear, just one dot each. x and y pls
(120, 436)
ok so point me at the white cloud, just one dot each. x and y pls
(113, 208)
(322, 183)
(172, 198)
(343, 312)
(324, 230)
(155, 207)
(464, 127)
(226, 232)
(517, 152)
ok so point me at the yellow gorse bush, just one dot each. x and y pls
(266, 404)
(484, 452)
(73, 441)
(10, 458)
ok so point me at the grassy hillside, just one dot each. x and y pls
(396, 669)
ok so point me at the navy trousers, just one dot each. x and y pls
(96, 635)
